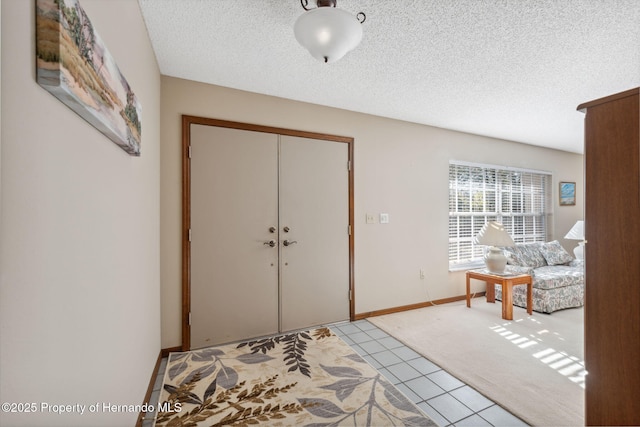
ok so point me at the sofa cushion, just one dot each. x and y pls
(555, 254)
(518, 270)
(525, 255)
(557, 276)
(579, 263)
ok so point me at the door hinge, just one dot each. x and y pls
(349, 165)
(189, 151)
(349, 229)
(189, 234)
(189, 318)
(350, 294)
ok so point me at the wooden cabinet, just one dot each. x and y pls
(612, 257)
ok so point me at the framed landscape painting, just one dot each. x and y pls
(567, 193)
(74, 65)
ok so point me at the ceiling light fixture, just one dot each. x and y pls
(327, 32)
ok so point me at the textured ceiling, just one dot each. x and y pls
(510, 69)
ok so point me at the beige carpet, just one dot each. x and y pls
(533, 365)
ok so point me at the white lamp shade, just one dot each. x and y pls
(576, 232)
(494, 234)
(328, 33)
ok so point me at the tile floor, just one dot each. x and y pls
(447, 400)
(155, 395)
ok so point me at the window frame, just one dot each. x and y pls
(519, 198)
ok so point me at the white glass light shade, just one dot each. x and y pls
(328, 33)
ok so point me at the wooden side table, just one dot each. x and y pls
(507, 282)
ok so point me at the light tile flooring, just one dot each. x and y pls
(155, 395)
(447, 400)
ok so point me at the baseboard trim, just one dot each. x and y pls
(399, 309)
(165, 351)
(152, 382)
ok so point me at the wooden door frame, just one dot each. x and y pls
(187, 121)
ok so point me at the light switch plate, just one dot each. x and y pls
(371, 219)
(384, 218)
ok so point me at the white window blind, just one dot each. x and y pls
(517, 198)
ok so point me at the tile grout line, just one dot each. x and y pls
(488, 409)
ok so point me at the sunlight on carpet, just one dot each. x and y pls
(533, 365)
(560, 361)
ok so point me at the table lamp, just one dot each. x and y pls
(577, 233)
(494, 235)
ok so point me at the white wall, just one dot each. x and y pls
(400, 168)
(79, 245)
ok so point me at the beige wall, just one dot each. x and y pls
(79, 245)
(400, 168)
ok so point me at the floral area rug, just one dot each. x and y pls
(308, 378)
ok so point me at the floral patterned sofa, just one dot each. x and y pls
(558, 278)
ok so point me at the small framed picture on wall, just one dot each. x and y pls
(567, 193)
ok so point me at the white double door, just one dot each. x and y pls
(269, 233)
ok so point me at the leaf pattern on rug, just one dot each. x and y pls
(343, 388)
(226, 377)
(295, 347)
(235, 402)
(304, 378)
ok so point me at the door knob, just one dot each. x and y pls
(270, 243)
(289, 242)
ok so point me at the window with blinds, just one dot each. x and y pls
(517, 198)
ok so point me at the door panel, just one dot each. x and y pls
(314, 205)
(234, 193)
